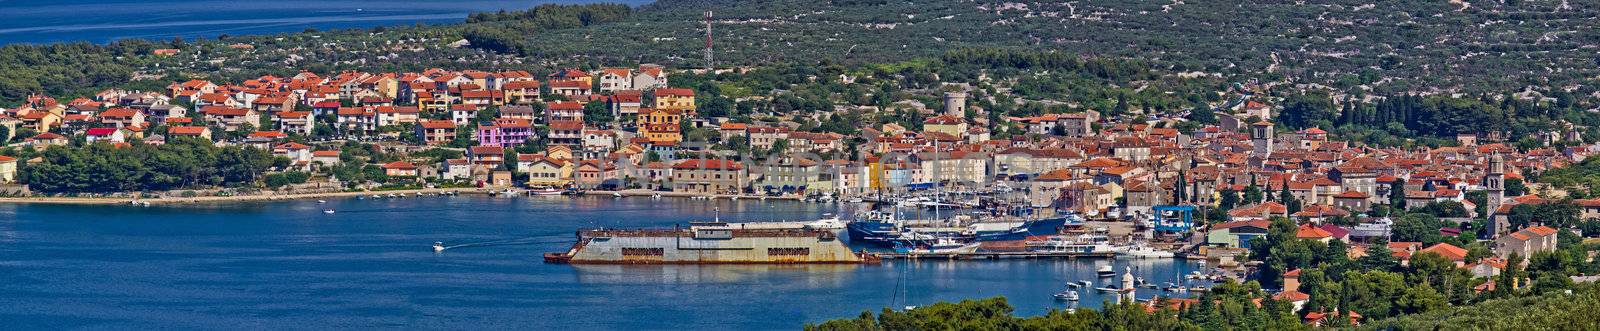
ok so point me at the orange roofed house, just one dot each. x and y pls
(400, 169)
(1526, 242)
(680, 99)
(660, 126)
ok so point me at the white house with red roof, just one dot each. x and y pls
(121, 117)
(615, 79)
(8, 169)
(110, 135)
(297, 122)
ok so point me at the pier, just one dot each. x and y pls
(993, 255)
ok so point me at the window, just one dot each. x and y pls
(791, 252)
(630, 251)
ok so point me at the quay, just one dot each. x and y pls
(993, 255)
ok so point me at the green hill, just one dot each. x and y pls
(1388, 46)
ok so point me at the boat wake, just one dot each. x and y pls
(536, 240)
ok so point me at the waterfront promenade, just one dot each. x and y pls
(320, 195)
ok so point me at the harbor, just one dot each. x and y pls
(377, 253)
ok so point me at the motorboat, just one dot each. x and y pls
(616, 194)
(1082, 244)
(939, 246)
(1105, 271)
(829, 223)
(1067, 295)
(322, 201)
(1107, 289)
(438, 246)
(327, 211)
(544, 190)
(1141, 251)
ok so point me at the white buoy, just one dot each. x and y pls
(438, 246)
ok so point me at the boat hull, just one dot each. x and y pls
(683, 247)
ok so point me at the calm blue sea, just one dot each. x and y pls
(287, 265)
(99, 21)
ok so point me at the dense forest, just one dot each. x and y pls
(58, 69)
(1392, 119)
(1555, 310)
(1390, 47)
(180, 163)
(508, 31)
(1351, 47)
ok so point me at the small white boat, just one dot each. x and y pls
(939, 246)
(438, 246)
(322, 201)
(1067, 295)
(1105, 271)
(1107, 289)
(830, 223)
(656, 196)
(1140, 251)
(616, 195)
(327, 211)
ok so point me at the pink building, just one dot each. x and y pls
(505, 132)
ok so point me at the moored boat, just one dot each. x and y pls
(1141, 251)
(544, 190)
(709, 243)
(1105, 271)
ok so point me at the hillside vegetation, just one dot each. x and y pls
(1388, 46)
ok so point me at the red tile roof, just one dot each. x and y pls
(716, 164)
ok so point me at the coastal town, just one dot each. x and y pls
(1209, 192)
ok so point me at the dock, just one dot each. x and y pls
(993, 256)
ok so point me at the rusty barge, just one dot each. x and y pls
(710, 243)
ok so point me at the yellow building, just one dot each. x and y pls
(661, 126)
(946, 124)
(680, 99)
(543, 171)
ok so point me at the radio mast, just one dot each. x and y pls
(708, 42)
